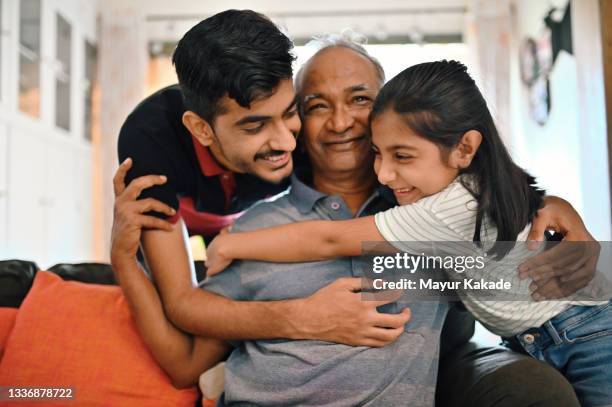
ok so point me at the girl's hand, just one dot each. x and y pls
(216, 259)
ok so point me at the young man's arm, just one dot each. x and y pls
(567, 267)
(182, 356)
(335, 313)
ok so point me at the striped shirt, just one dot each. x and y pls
(443, 224)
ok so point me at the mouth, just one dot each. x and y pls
(403, 191)
(406, 195)
(344, 145)
(275, 160)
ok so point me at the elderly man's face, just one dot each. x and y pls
(338, 89)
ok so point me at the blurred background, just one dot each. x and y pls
(71, 71)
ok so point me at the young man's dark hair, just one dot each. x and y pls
(240, 53)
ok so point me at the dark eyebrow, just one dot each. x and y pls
(401, 146)
(251, 119)
(262, 118)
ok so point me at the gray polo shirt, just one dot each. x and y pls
(307, 372)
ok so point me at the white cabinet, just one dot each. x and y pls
(46, 194)
(61, 193)
(69, 213)
(27, 201)
(83, 204)
(49, 203)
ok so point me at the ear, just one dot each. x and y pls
(463, 153)
(199, 128)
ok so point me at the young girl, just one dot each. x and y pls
(437, 148)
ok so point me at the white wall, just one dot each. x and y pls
(568, 154)
(586, 24)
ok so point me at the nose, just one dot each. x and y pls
(283, 138)
(340, 120)
(384, 171)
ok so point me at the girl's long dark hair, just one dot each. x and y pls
(441, 102)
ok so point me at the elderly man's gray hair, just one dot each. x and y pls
(347, 39)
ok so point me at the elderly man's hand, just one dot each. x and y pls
(128, 219)
(570, 265)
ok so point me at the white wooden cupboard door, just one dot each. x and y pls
(84, 204)
(61, 191)
(27, 201)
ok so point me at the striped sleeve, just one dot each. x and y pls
(446, 219)
(414, 229)
(409, 223)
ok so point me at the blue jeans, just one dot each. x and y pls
(578, 343)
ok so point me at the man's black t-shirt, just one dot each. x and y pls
(207, 196)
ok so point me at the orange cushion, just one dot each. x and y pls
(70, 334)
(7, 320)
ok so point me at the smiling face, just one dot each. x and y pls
(339, 86)
(257, 140)
(412, 166)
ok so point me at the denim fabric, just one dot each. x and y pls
(578, 343)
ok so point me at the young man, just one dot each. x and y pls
(222, 138)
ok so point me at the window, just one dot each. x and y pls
(91, 62)
(62, 73)
(29, 57)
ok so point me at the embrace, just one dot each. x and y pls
(240, 142)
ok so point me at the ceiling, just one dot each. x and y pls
(388, 21)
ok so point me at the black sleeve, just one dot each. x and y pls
(149, 157)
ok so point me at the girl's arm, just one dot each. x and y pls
(295, 242)
(183, 357)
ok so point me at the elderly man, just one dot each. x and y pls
(337, 87)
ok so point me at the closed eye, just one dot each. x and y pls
(403, 157)
(316, 106)
(256, 129)
(291, 113)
